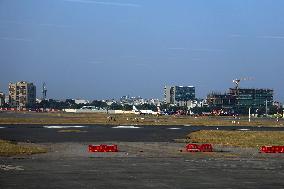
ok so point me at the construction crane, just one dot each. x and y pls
(237, 81)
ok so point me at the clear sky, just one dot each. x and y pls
(97, 49)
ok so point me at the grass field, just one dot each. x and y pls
(238, 138)
(8, 148)
(123, 119)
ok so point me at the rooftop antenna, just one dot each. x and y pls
(44, 91)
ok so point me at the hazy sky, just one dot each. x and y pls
(110, 48)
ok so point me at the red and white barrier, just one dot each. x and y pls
(272, 149)
(103, 148)
(199, 148)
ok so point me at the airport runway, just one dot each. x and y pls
(85, 133)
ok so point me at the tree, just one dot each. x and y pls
(99, 104)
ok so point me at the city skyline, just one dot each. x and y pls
(108, 49)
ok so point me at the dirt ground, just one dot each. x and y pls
(142, 165)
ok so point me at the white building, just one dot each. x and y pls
(81, 101)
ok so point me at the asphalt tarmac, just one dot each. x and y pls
(86, 133)
(147, 158)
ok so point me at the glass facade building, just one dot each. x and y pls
(179, 95)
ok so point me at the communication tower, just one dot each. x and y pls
(44, 91)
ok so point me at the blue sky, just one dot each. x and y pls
(110, 48)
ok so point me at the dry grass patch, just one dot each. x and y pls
(120, 119)
(238, 138)
(8, 148)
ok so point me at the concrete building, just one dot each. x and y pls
(2, 99)
(22, 94)
(179, 95)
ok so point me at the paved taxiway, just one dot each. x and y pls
(51, 133)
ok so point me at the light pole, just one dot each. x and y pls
(266, 111)
(249, 114)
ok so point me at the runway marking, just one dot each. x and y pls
(11, 167)
(187, 125)
(174, 128)
(71, 131)
(2, 127)
(126, 127)
(243, 129)
(63, 127)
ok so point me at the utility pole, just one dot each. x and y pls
(249, 114)
(266, 108)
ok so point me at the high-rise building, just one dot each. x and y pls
(179, 95)
(22, 94)
(2, 99)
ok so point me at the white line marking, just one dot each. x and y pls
(62, 127)
(11, 167)
(243, 129)
(2, 127)
(174, 128)
(126, 127)
(187, 125)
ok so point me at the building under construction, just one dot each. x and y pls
(241, 98)
(219, 100)
(255, 98)
(238, 98)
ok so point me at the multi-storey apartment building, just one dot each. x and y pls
(22, 94)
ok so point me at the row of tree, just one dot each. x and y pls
(167, 108)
